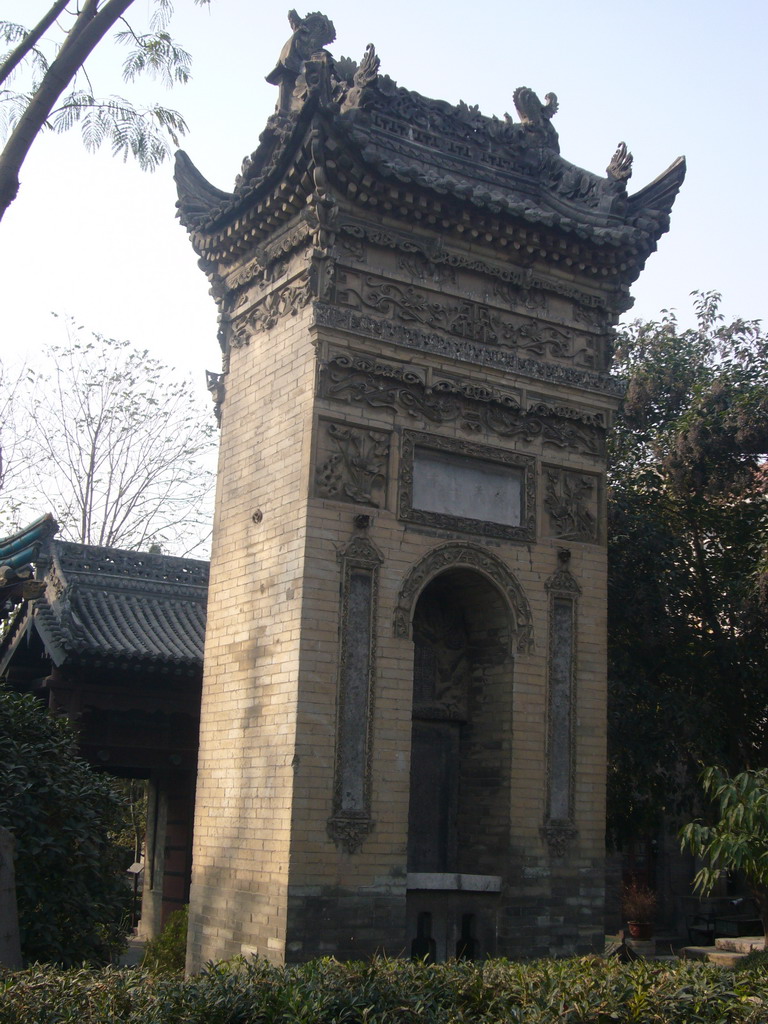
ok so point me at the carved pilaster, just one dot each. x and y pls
(563, 590)
(351, 820)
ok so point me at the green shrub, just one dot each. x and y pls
(578, 991)
(167, 953)
(72, 896)
(756, 960)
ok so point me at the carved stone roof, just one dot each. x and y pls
(395, 152)
(115, 608)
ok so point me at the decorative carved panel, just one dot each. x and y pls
(571, 503)
(463, 349)
(454, 555)
(286, 300)
(463, 318)
(351, 820)
(367, 381)
(472, 457)
(433, 251)
(351, 463)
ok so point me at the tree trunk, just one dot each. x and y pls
(91, 25)
(30, 40)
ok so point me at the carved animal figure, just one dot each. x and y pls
(310, 34)
(530, 109)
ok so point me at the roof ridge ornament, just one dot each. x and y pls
(365, 74)
(310, 34)
(537, 115)
(620, 167)
(529, 107)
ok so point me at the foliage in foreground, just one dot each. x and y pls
(738, 841)
(72, 898)
(394, 992)
(168, 951)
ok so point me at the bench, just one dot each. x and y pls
(715, 917)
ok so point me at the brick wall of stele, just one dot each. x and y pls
(281, 866)
(354, 903)
(248, 723)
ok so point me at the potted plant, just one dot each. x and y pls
(638, 904)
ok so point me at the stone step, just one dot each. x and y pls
(740, 944)
(722, 958)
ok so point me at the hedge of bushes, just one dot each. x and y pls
(587, 991)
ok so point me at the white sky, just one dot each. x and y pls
(97, 239)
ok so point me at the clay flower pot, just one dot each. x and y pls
(638, 904)
(640, 929)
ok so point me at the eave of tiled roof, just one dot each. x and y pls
(390, 148)
(108, 606)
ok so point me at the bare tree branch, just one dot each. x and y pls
(120, 447)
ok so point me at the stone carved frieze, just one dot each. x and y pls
(315, 233)
(463, 318)
(418, 266)
(351, 248)
(533, 300)
(434, 252)
(420, 340)
(570, 499)
(453, 555)
(595, 319)
(525, 531)
(363, 380)
(286, 300)
(266, 264)
(352, 464)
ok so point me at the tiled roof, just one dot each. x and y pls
(374, 141)
(120, 608)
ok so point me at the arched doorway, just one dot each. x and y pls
(461, 744)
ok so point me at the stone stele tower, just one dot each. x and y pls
(402, 743)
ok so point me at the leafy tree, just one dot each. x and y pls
(688, 525)
(54, 65)
(73, 901)
(119, 447)
(739, 839)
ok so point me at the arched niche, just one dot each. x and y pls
(455, 555)
(461, 733)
